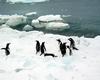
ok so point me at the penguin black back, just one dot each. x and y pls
(63, 49)
(72, 42)
(7, 45)
(43, 49)
(37, 46)
(60, 44)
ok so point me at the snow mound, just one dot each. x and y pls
(4, 26)
(27, 28)
(52, 22)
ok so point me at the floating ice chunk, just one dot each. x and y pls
(48, 18)
(28, 28)
(36, 24)
(26, 1)
(3, 19)
(57, 26)
(15, 20)
(51, 22)
(66, 15)
(31, 13)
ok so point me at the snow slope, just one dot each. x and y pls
(24, 64)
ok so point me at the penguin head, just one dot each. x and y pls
(59, 40)
(65, 43)
(8, 43)
(70, 39)
(37, 41)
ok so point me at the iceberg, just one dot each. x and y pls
(15, 20)
(4, 19)
(51, 22)
(12, 20)
(27, 28)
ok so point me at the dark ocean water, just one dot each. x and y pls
(84, 20)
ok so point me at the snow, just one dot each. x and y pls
(12, 20)
(4, 26)
(36, 24)
(3, 18)
(26, 1)
(24, 64)
(27, 28)
(15, 20)
(57, 26)
(51, 22)
(48, 18)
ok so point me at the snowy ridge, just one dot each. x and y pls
(24, 64)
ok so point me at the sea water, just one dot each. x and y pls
(84, 19)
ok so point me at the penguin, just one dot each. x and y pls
(37, 46)
(63, 49)
(50, 54)
(7, 49)
(43, 49)
(72, 44)
(70, 51)
(60, 44)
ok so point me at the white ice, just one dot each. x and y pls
(26, 1)
(27, 28)
(31, 13)
(15, 20)
(24, 64)
(51, 22)
(12, 20)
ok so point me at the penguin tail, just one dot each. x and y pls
(3, 48)
(75, 48)
(55, 56)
